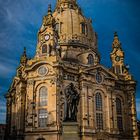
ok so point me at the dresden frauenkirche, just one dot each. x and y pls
(63, 92)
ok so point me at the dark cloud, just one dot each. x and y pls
(21, 19)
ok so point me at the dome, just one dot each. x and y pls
(72, 26)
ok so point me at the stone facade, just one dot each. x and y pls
(67, 53)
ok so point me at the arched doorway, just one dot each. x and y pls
(40, 139)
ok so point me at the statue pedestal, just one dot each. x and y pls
(70, 131)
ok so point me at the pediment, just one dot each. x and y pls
(40, 69)
(99, 68)
(36, 65)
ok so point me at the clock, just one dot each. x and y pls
(42, 70)
(47, 37)
(117, 58)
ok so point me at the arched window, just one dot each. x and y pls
(99, 111)
(43, 96)
(119, 114)
(83, 28)
(44, 48)
(40, 139)
(98, 101)
(90, 59)
(118, 106)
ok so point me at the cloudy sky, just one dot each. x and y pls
(21, 19)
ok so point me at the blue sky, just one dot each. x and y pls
(21, 19)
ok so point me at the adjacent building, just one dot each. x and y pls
(67, 53)
(2, 131)
(138, 123)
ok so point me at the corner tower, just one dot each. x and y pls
(117, 58)
(47, 36)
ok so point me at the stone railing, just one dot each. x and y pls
(64, 38)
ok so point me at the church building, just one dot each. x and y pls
(67, 63)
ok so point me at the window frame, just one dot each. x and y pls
(43, 98)
(42, 118)
(90, 59)
(98, 101)
(119, 114)
(99, 114)
(44, 49)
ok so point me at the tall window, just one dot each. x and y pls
(90, 59)
(118, 106)
(99, 121)
(98, 102)
(43, 115)
(99, 111)
(86, 28)
(43, 96)
(119, 114)
(44, 48)
(118, 69)
(83, 28)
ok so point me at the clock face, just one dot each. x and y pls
(47, 37)
(117, 58)
(42, 70)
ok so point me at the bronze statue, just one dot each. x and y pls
(72, 101)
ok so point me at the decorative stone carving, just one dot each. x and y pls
(48, 20)
(30, 82)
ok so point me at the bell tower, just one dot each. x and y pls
(47, 36)
(117, 58)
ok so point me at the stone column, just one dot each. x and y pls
(134, 128)
(111, 109)
(29, 105)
